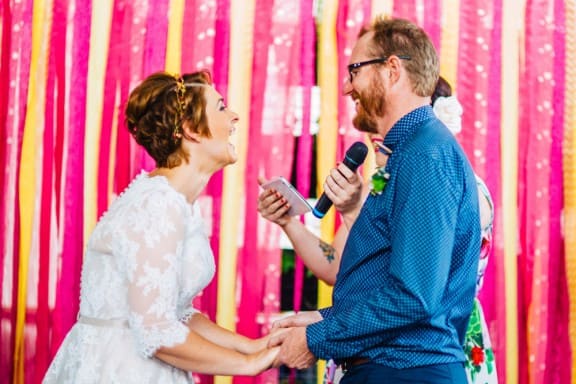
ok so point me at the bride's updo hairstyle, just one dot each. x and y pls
(158, 108)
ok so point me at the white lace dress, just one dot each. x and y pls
(146, 260)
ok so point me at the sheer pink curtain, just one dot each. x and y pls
(205, 42)
(15, 71)
(276, 103)
(352, 16)
(478, 89)
(543, 291)
(52, 153)
(71, 213)
(303, 159)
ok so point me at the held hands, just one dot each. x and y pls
(294, 352)
(263, 360)
(290, 334)
(262, 355)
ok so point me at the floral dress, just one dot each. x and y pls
(146, 259)
(480, 364)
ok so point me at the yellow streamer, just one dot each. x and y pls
(509, 154)
(99, 42)
(370, 163)
(327, 136)
(30, 169)
(174, 42)
(239, 85)
(569, 148)
(328, 81)
(449, 41)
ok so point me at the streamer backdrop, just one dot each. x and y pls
(67, 66)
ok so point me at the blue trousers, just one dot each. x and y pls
(371, 373)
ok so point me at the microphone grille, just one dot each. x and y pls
(357, 152)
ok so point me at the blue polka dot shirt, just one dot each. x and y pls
(406, 284)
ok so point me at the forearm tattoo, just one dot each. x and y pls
(327, 250)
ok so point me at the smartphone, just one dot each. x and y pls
(298, 204)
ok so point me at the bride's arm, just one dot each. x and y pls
(151, 245)
(204, 327)
(199, 355)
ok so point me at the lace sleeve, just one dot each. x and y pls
(155, 236)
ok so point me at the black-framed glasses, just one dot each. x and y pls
(352, 68)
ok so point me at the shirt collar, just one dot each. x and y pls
(407, 125)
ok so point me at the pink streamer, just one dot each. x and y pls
(525, 261)
(156, 32)
(154, 59)
(68, 288)
(558, 356)
(197, 53)
(538, 177)
(308, 50)
(190, 27)
(214, 189)
(252, 276)
(6, 344)
(15, 72)
(274, 131)
(116, 48)
(252, 267)
(406, 10)
(347, 27)
(129, 67)
(137, 158)
(201, 16)
(54, 118)
(493, 304)
(477, 75)
(222, 46)
(432, 22)
(304, 157)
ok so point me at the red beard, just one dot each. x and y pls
(371, 106)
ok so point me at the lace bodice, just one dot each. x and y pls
(147, 258)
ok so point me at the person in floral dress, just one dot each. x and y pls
(480, 363)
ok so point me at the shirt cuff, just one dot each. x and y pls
(325, 312)
(316, 339)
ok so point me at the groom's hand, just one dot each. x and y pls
(294, 352)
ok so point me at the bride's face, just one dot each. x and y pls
(222, 124)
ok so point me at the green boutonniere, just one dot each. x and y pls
(379, 180)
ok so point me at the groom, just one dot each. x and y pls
(406, 282)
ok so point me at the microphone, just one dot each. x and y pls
(354, 157)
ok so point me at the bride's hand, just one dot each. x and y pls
(263, 360)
